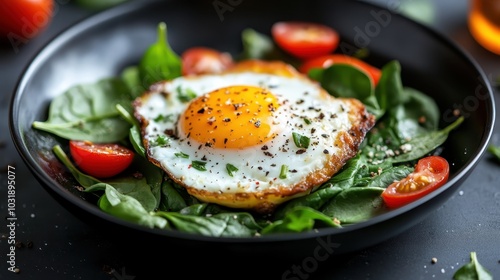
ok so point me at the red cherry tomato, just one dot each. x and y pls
(202, 60)
(24, 19)
(305, 39)
(100, 160)
(430, 173)
(327, 60)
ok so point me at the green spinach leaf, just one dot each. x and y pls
(299, 219)
(128, 208)
(495, 151)
(389, 90)
(313, 200)
(159, 62)
(472, 271)
(135, 137)
(219, 225)
(356, 205)
(388, 176)
(171, 199)
(423, 144)
(342, 80)
(130, 76)
(88, 112)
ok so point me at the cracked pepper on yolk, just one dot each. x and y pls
(231, 117)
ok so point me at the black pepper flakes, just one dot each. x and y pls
(268, 154)
(264, 148)
(301, 151)
(326, 152)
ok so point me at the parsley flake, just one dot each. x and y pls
(161, 140)
(185, 95)
(230, 169)
(181, 155)
(199, 165)
(300, 141)
(284, 170)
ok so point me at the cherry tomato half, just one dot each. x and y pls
(202, 60)
(430, 173)
(100, 160)
(24, 18)
(327, 60)
(305, 39)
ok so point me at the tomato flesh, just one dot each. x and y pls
(24, 19)
(305, 39)
(202, 60)
(327, 60)
(100, 160)
(430, 173)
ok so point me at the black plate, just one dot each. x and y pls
(102, 45)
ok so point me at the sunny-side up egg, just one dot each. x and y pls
(252, 137)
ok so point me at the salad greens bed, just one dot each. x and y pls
(406, 130)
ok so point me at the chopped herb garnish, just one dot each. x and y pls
(164, 118)
(199, 165)
(300, 140)
(181, 155)
(230, 169)
(161, 140)
(185, 95)
(307, 121)
(284, 170)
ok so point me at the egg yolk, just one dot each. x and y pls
(231, 117)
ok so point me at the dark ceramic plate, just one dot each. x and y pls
(102, 45)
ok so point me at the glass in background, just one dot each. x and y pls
(484, 23)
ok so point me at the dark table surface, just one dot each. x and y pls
(63, 247)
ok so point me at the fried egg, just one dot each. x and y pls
(252, 137)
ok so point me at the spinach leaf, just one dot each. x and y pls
(130, 76)
(135, 188)
(423, 144)
(98, 4)
(171, 200)
(195, 209)
(152, 173)
(356, 205)
(88, 112)
(206, 209)
(388, 176)
(389, 90)
(128, 208)
(342, 80)
(299, 219)
(135, 137)
(472, 271)
(219, 225)
(345, 178)
(313, 200)
(422, 108)
(495, 151)
(419, 115)
(84, 180)
(159, 62)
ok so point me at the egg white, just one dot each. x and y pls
(304, 109)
